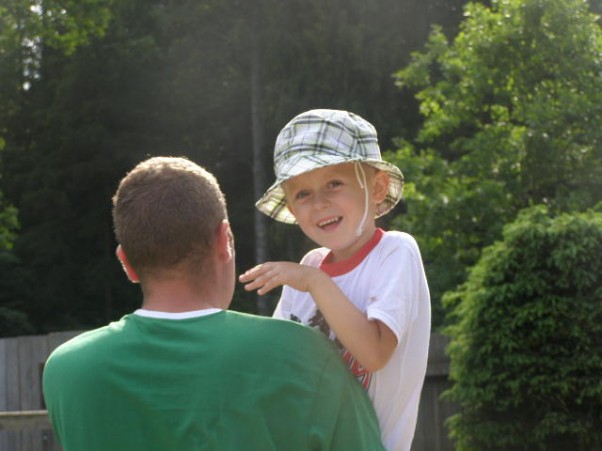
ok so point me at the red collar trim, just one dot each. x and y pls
(345, 266)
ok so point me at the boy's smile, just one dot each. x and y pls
(329, 222)
(329, 203)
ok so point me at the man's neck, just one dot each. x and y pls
(176, 296)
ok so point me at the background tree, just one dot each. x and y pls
(510, 109)
(26, 29)
(527, 346)
(170, 77)
(28, 26)
(12, 318)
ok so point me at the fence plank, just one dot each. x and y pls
(3, 377)
(55, 339)
(438, 361)
(3, 391)
(431, 433)
(17, 421)
(12, 439)
(33, 351)
(13, 385)
(31, 428)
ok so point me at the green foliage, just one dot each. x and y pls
(510, 109)
(8, 218)
(14, 322)
(8, 225)
(13, 317)
(170, 78)
(60, 171)
(526, 348)
(65, 24)
(26, 29)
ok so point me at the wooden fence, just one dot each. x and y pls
(24, 422)
(431, 432)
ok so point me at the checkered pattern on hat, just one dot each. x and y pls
(320, 138)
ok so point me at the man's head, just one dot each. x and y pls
(167, 213)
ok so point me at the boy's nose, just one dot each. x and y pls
(320, 200)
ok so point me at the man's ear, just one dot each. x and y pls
(125, 264)
(225, 241)
(380, 186)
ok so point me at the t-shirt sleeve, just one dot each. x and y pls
(342, 417)
(395, 293)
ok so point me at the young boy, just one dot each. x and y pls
(365, 288)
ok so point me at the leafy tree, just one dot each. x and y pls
(8, 225)
(60, 172)
(171, 77)
(8, 219)
(13, 320)
(527, 346)
(26, 29)
(510, 109)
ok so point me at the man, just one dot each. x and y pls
(182, 373)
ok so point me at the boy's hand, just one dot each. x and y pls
(370, 341)
(267, 276)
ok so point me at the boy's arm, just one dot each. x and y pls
(371, 342)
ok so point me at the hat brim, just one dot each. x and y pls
(273, 202)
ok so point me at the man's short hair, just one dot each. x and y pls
(166, 213)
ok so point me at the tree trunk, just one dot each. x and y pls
(261, 251)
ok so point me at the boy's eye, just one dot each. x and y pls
(301, 194)
(334, 183)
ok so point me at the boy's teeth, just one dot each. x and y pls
(328, 221)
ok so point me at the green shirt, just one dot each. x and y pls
(226, 381)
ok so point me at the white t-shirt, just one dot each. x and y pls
(386, 280)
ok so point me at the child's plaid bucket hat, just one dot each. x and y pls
(320, 138)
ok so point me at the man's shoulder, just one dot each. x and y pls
(287, 333)
(82, 342)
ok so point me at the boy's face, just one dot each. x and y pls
(329, 203)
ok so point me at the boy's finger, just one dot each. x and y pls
(267, 286)
(254, 282)
(253, 273)
(248, 276)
